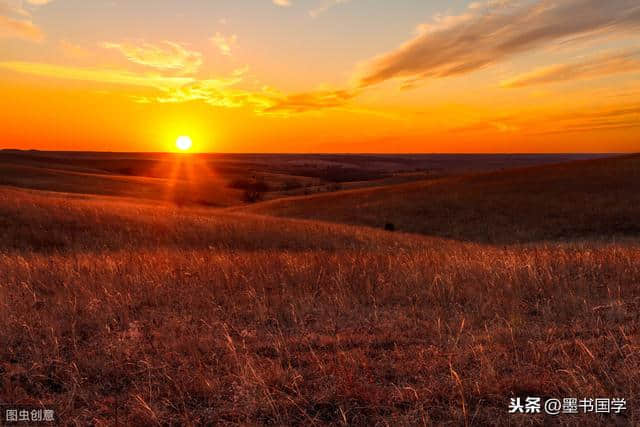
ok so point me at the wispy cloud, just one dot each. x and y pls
(20, 28)
(118, 77)
(609, 117)
(491, 4)
(164, 56)
(326, 5)
(218, 92)
(620, 116)
(16, 21)
(224, 43)
(308, 101)
(494, 31)
(266, 101)
(593, 67)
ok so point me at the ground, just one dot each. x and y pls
(304, 310)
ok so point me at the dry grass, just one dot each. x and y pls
(211, 191)
(167, 316)
(585, 199)
(206, 179)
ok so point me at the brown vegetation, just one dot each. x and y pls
(585, 199)
(162, 315)
(211, 179)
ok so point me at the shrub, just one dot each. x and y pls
(254, 192)
(254, 189)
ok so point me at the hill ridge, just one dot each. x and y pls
(583, 198)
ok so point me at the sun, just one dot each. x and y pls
(184, 143)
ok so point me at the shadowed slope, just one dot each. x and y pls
(592, 198)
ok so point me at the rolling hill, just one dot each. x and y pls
(122, 311)
(212, 179)
(574, 200)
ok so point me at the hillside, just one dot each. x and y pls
(209, 190)
(217, 179)
(115, 312)
(575, 200)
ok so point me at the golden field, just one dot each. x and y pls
(143, 313)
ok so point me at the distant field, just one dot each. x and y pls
(153, 312)
(583, 199)
(208, 179)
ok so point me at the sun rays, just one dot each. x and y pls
(190, 180)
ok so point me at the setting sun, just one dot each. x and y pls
(184, 143)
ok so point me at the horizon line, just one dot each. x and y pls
(27, 150)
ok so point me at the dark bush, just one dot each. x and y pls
(254, 192)
(254, 189)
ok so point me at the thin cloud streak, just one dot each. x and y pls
(225, 44)
(116, 77)
(20, 29)
(16, 23)
(164, 56)
(217, 92)
(594, 67)
(325, 6)
(615, 116)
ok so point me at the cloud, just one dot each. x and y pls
(597, 66)
(224, 43)
(16, 23)
(483, 36)
(118, 77)
(218, 92)
(308, 101)
(20, 28)
(164, 56)
(326, 5)
(490, 4)
(609, 117)
(266, 101)
(619, 116)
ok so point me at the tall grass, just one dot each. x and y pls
(165, 316)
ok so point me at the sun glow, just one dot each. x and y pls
(184, 143)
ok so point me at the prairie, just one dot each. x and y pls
(210, 179)
(581, 199)
(140, 312)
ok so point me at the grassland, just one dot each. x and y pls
(208, 179)
(583, 199)
(148, 313)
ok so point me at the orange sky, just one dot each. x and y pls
(321, 76)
